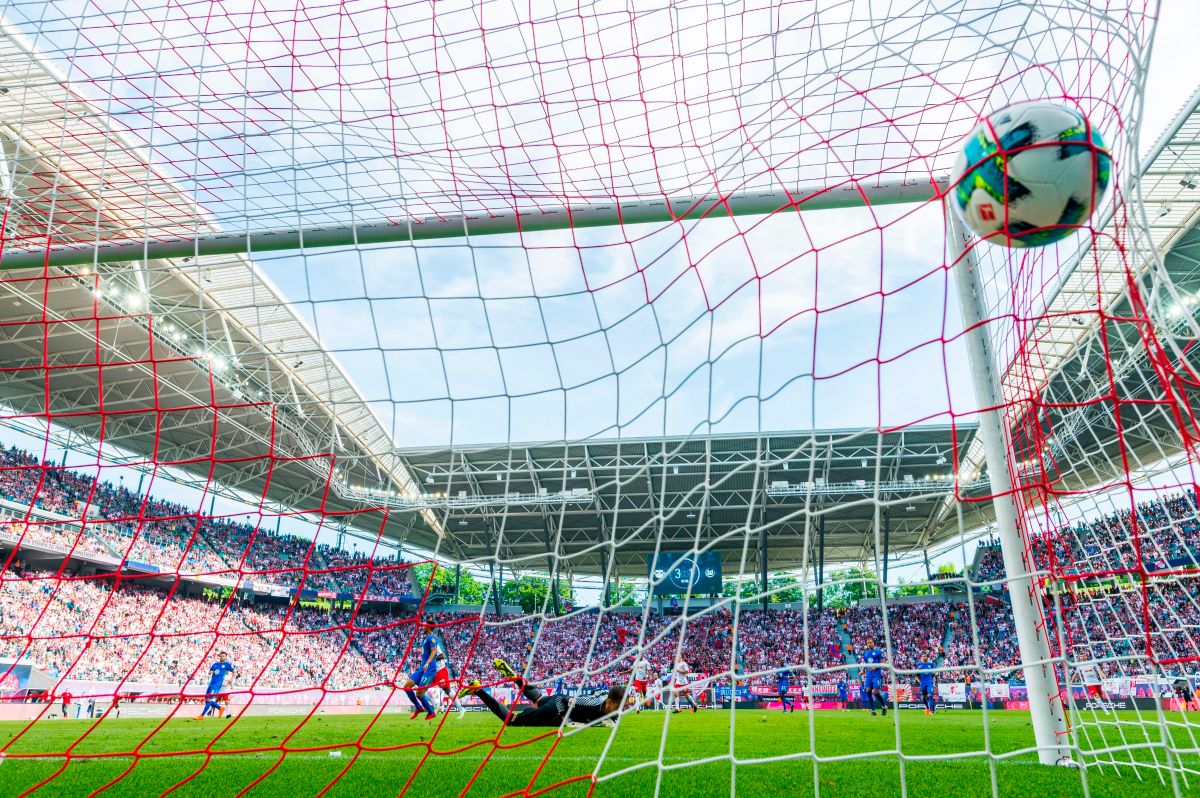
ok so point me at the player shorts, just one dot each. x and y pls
(874, 680)
(1093, 690)
(424, 677)
(783, 690)
(640, 685)
(441, 679)
(682, 689)
(926, 691)
(214, 688)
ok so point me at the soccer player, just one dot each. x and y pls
(441, 680)
(843, 692)
(680, 686)
(548, 710)
(1092, 682)
(864, 695)
(641, 680)
(420, 679)
(66, 703)
(784, 676)
(874, 680)
(1183, 691)
(216, 680)
(927, 694)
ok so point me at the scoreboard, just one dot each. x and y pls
(679, 573)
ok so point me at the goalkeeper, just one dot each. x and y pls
(552, 710)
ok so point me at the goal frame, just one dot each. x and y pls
(1051, 730)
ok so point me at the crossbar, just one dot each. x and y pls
(520, 221)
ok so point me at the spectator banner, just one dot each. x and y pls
(134, 565)
(767, 690)
(952, 691)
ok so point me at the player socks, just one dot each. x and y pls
(424, 699)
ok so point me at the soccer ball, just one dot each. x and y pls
(1030, 174)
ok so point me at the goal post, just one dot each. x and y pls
(1046, 698)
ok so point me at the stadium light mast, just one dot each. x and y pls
(1046, 706)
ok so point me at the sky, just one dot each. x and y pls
(830, 319)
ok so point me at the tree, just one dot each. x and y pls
(780, 589)
(470, 591)
(848, 587)
(628, 595)
(785, 589)
(530, 592)
(911, 589)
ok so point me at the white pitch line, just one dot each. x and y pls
(387, 755)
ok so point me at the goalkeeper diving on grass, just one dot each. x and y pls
(548, 710)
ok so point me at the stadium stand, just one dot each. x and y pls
(147, 633)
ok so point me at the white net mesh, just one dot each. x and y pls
(470, 307)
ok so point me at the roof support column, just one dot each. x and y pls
(606, 594)
(457, 580)
(495, 590)
(762, 564)
(821, 563)
(887, 544)
(551, 565)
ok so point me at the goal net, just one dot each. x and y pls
(615, 345)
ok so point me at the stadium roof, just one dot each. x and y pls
(229, 382)
(231, 368)
(698, 491)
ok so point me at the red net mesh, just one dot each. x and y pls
(279, 454)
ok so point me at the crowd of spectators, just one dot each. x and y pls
(913, 629)
(989, 564)
(359, 573)
(1156, 535)
(995, 632)
(64, 537)
(771, 638)
(118, 522)
(81, 628)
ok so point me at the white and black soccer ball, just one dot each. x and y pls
(1030, 174)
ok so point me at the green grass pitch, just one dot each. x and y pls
(695, 752)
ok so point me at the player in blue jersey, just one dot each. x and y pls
(420, 679)
(784, 675)
(873, 657)
(843, 692)
(216, 680)
(864, 695)
(926, 668)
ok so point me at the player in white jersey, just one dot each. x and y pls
(681, 685)
(641, 682)
(1092, 680)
